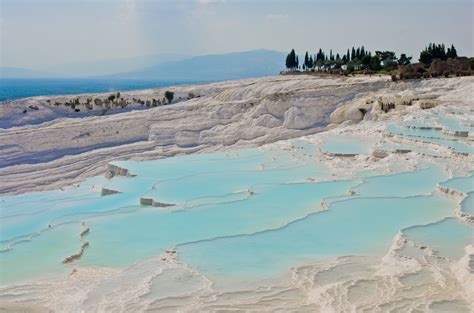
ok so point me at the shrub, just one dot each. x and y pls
(169, 95)
(350, 68)
(426, 57)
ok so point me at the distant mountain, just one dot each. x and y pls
(236, 65)
(113, 66)
(165, 67)
(18, 72)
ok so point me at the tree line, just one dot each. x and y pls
(437, 51)
(356, 59)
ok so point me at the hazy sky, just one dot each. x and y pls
(40, 33)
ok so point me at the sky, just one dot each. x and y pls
(38, 34)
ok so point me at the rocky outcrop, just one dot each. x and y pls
(114, 170)
(152, 202)
(457, 133)
(106, 192)
(380, 154)
(438, 67)
(427, 105)
(449, 191)
(459, 65)
(78, 255)
(353, 112)
(410, 71)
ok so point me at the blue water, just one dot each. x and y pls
(246, 213)
(22, 88)
(461, 184)
(343, 144)
(436, 236)
(243, 214)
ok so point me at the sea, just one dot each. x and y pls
(22, 88)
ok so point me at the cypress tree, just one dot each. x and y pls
(454, 53)
(353, 54)
(293, 59)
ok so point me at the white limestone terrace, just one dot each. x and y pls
(410, 277)
(51, 145)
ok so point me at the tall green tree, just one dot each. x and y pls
(366, 60)
(375, 63)
(404, 60)
(306, 60)
(426, 57)
(311, 62)
(452, 53)
(388, 58)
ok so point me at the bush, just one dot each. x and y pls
(471, 63)
(426, 57)
(350, 68)
(169, 95)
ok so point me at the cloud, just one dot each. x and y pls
(276, 17)
(128, 11)
(206, 2)
(205, 8)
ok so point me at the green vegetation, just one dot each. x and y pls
(437, 51)
(292, 61)
(360, 60)
(169, 95)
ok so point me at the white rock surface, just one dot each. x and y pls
(54, 146)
